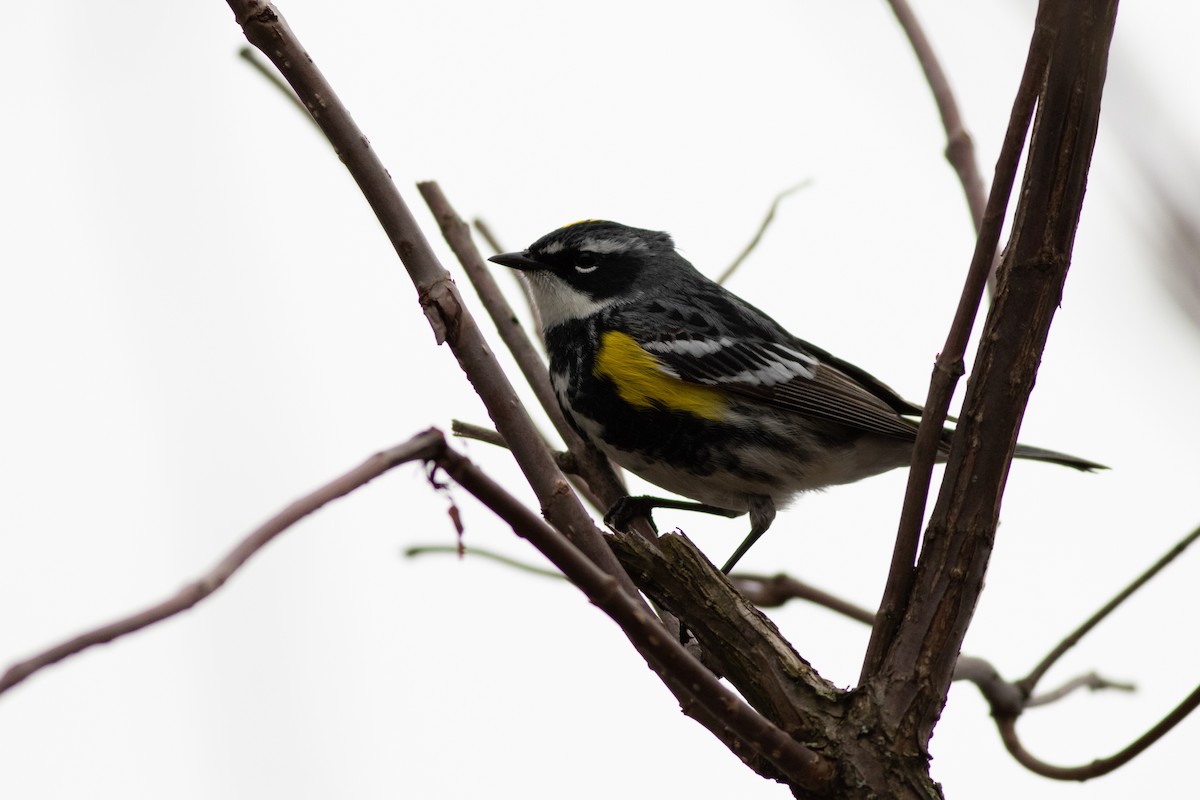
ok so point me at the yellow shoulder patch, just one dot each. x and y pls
(641, 380)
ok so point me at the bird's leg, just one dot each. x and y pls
(624, 510)
(762, 514)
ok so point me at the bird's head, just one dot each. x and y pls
(577, 270)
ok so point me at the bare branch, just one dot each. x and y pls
(479, 552)
(566, 461)
(489, 238)
(458, 235)
(602, 577)
(948, 367)
(762, 228)
(917, 665)
(686, 676)
(767, 591)
(1101, 766)
(266, 29)
(1006, 699)
(420, 447)
(1029, 682)
(1091, 681)
(248, 55)
(960, 150)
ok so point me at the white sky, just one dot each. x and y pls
(201, 321)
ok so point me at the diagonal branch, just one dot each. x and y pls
(762, 229)
(458, 235)
(602, 481)
(1030, 681)
(744, 729)
(266, 29)
(419, 447)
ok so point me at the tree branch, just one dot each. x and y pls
(458, 235)
(762, 228)
(419, 447)
(1101, 766)
(960, 149)
(912, 677)
(1030, 681)
(948, 367)
(686, 676)
(266, 29)
(603, 483)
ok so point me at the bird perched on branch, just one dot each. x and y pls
(683, 383)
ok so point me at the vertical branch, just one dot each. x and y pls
(948, 367)
(916, 670)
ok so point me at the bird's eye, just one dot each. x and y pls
(585, 262)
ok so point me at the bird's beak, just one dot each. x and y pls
(522, 261)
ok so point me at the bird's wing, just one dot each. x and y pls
(748, 355)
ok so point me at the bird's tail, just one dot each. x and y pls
(1054, 457)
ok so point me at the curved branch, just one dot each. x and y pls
(1101, 766)
(420, 447)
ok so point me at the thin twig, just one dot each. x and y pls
(768, 591)
(948, 368)
(489, 237)
(762, 228)
(1101, 766)
(458, 235)
(452, 323)
(568, 462)
(479, 552)
(248, 55)
(1006, 699)
(960, 150)
(1030, 681)
(420, 447)
(1090, 681)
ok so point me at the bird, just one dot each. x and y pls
(685, 384)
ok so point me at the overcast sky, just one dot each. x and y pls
(201, 321)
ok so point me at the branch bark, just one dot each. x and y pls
(418, 448)
(266, 29)
(914, 673)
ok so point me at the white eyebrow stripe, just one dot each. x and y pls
(552, 248)
(610, 246)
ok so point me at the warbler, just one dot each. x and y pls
(687, 385)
